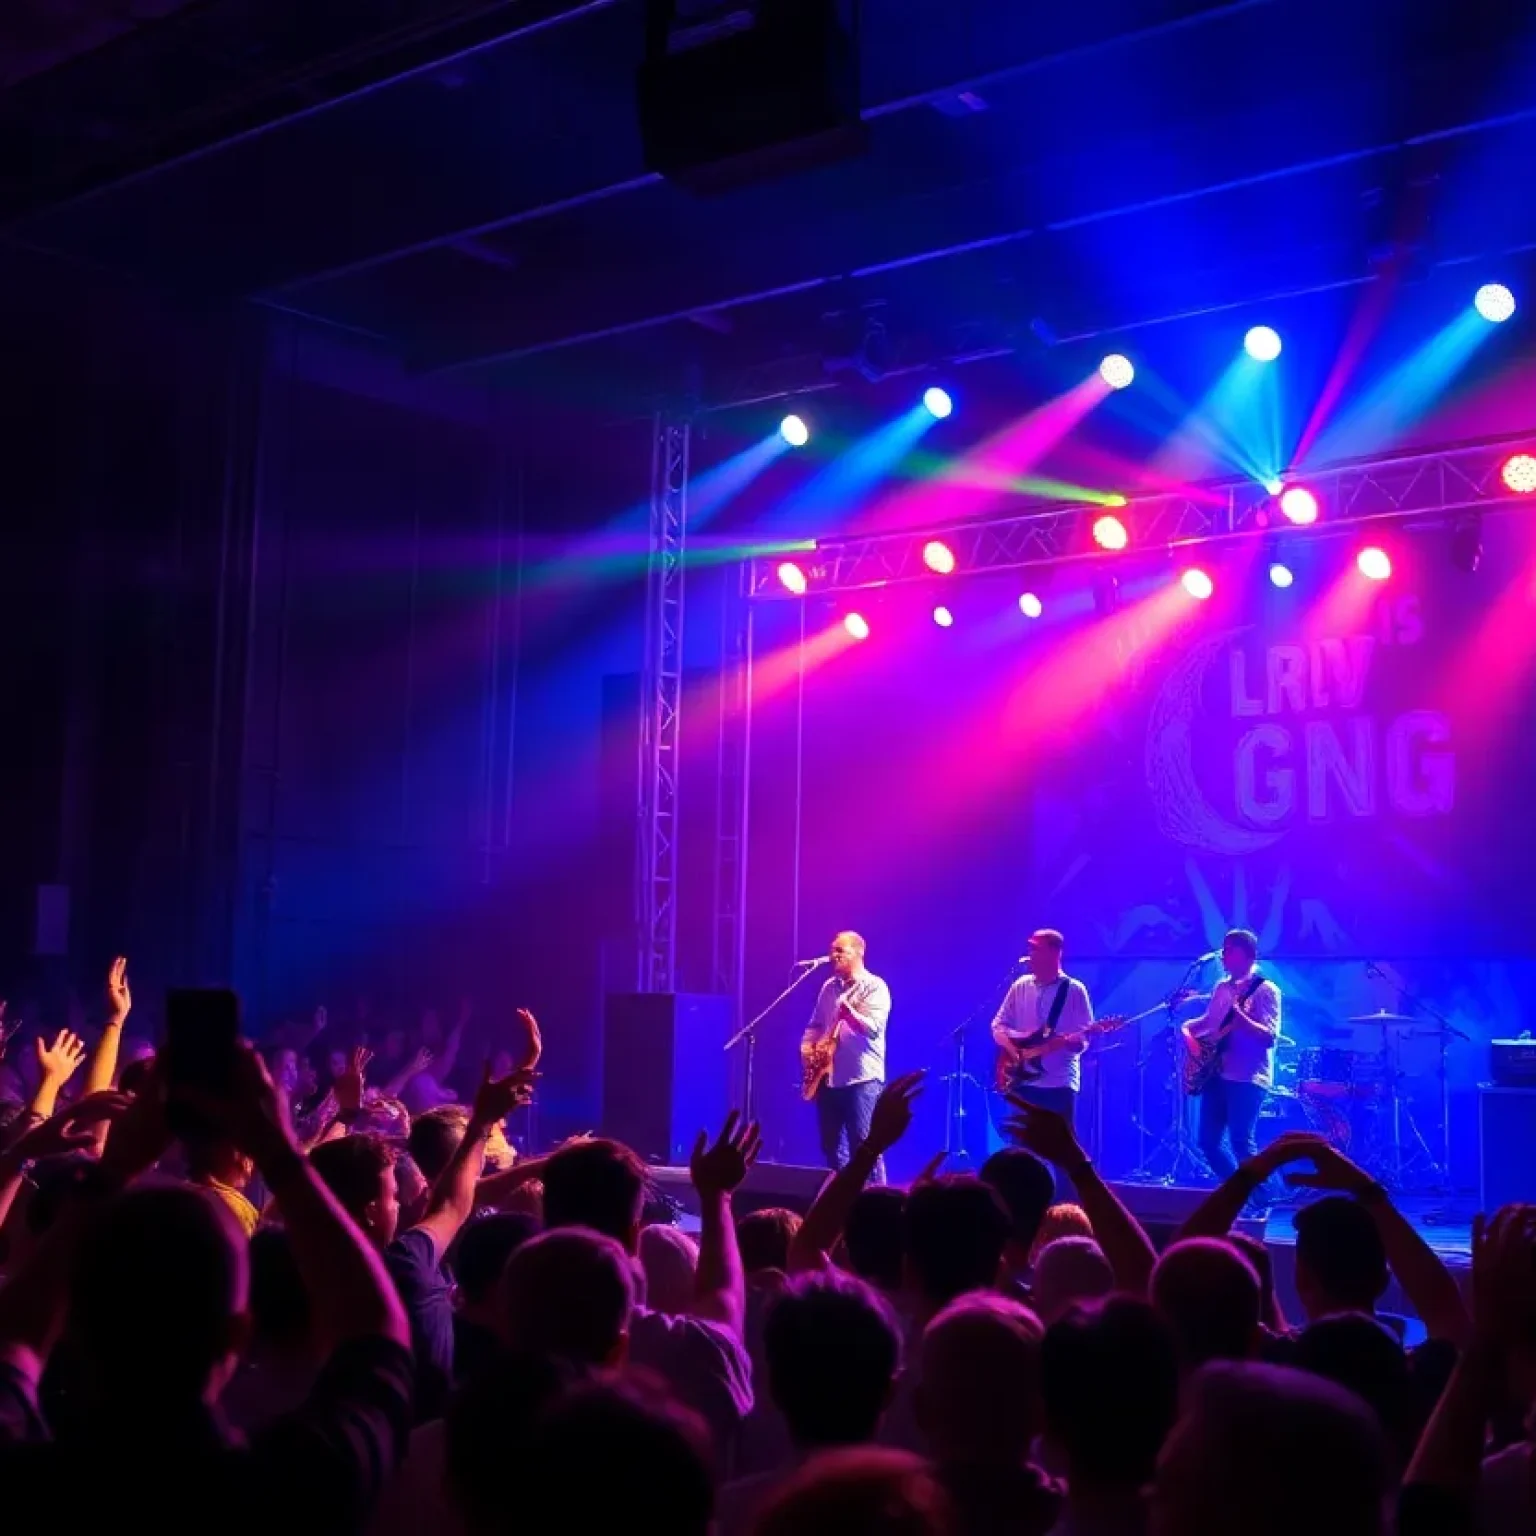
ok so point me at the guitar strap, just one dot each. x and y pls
(1058, 1004)
(1253, 986)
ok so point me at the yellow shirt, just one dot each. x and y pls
(245, 1213)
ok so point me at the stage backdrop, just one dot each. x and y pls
(1342, 766)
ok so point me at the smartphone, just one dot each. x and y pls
(202, 1033)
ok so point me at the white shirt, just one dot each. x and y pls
(860, 1056)
(1026, 1010)
(1249, 1056)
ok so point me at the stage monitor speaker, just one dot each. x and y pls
(1506, 1146)
(665, 1072)
(1163, 1208)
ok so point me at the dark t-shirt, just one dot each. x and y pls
(318, 1469)
(424, 1293)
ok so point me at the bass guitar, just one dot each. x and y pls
(817, 1056)
(1019, 1068)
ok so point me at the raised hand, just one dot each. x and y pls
(119, 997)
(534, 1047)
(252, 1112)
(930, 1170)
(321, 1019)
(1504, 1277)
(60, 1061)
(420, 1061)
(497, 1097)
(73, 1129)
(1043, 1132)
(892, 1114)
(718, 1169)
(1331, 1169)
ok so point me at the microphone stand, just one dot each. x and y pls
(748, 1033)
(954, 1099)
(1176, 1137)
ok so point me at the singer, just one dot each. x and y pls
(850, 1015)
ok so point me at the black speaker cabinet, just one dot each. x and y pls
(1506, 1146)
(664, 1070)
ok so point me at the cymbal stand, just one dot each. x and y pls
(956, 1079)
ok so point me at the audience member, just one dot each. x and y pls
(1266, 1451)
(569, 1293)
(867, 1490)
(1069, 1270)
(282, 1355)
(1063, 1220)
(1109, 1376)
(669, 1260)
(764, 1238)
(955, 1232)
(874, 1238)
(1027, 1188)
(978, 1408)
(477, 1258)
(1208, 1294)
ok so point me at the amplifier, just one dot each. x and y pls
(1514, 1062)
(1506, 1146)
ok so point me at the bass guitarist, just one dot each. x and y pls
(1241, 1023)
(847, 1024)
(1045, 1004)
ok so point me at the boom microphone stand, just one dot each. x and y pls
(748, 1031)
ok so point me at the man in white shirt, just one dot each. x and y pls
(857, 1003)
(1247, 1007)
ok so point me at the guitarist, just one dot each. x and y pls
(856, 1003)
(1042, 1003)
(1247, 1006)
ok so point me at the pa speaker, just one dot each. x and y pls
(1506, 1146)
(664, 1070)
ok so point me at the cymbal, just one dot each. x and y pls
(1382, 1017)
(1284, 1040)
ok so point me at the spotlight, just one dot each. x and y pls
(1494, 302)
(938, 557)
(792, 578)
(1374, 563)
(1109, 533)
(1031, 606)
(1280, 575)
(1117, 371)
(857, 626)
(1298, 504)
(937, 403)
(1519, 474)
(794, 432)
(943, 617)
(1273, 487)
(1262, 344)
(1197, 583)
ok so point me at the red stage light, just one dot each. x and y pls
(1110, 533)
(792, 578)
(1374, 563)
(1519, 474)
(938, 557)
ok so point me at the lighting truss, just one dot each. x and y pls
(733, 754)
(1410, 487)
(661, 690)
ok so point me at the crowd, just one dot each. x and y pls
(328, 1295)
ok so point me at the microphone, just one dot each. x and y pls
(811, 964)
(1210, 954)
(1023, 960)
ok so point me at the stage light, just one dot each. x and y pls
(1274, 487)
(1031, 606)
(857, 626)
(1280, 575)
(943, 617)
(1117, 371)
(1494, 302)
(1374, 563)
(1110, 533)
(1262, 344)
(1197, 583)
(938, 557)
(1298, 504)
(794, 432)
(1519, 474)
(1467, 543)
(792, 578)
(937, 403)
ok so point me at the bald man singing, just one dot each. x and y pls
(856, 1003)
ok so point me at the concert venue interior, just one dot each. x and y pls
(459, 542)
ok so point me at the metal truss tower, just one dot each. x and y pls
(734, 754)
(661, 690)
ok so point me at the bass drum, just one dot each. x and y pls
(1287, 1110)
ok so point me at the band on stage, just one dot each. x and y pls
(1041, 1031)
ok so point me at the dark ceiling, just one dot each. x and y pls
(465, 182)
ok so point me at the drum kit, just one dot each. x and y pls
(1351, 1089)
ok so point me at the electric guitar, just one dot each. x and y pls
(817, 1056)
(1020, 1068)
(1202, 1055)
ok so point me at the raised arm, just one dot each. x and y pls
(101, 1072)
(720, 1287)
